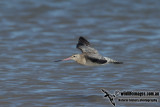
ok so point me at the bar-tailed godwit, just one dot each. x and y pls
(89, 55)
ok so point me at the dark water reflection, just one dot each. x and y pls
(35, 33)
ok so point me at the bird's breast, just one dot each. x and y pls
(81, 61)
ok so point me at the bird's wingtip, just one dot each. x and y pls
(81, 37)
(82, 40)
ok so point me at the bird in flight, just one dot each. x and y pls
(89, 55)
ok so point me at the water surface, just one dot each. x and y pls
(35, 33)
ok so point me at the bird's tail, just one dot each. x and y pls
(109, 60)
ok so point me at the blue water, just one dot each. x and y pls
(35, 33)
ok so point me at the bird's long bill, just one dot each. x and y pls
(63, 59)
(67, 59)
(58, 60)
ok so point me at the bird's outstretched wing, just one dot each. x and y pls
(89, 52)
(85, 47)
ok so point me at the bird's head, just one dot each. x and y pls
(74, 57)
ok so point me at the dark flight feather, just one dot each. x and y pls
(96, 60)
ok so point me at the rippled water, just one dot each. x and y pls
(35, 33)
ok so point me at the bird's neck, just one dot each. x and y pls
(81, 60)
